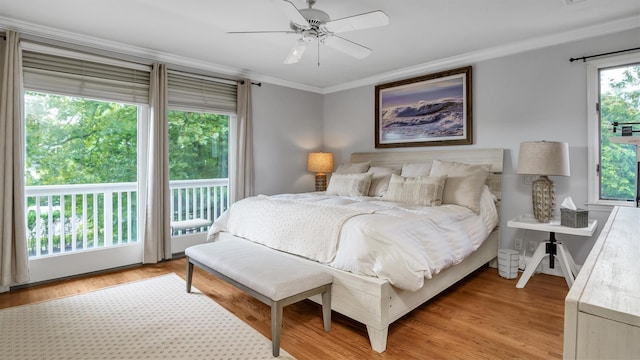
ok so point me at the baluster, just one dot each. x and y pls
(96, 239)
(50, 229)
(63, 240)
(129, 218)
(108, 218)
(74, 224)
(85, 224)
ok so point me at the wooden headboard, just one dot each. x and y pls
(395, 159)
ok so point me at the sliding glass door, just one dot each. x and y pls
(81, 183)
(81, 166)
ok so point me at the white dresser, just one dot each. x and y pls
(602, 309)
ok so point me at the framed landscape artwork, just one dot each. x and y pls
(429, 110)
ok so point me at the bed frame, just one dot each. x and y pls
(375, 302)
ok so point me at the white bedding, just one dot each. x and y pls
(278, 223)
(400, 243)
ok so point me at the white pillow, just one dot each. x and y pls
(353, 168)
(422, 190)
(349, 184)
(380, 179)
(416, 169)
(464, 182)
(488, 209)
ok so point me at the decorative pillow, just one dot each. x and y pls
(422, 190)
(353, 168)
(464, 182)
(488, 209)
(380, 180)
(349, 184)
(416, 169)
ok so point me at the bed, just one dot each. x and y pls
(374, 300)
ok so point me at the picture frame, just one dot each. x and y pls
(429, 110)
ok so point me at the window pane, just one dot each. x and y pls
(74, 140)
(81, 170)
(198, 168)
(619, 102)
(198, 145)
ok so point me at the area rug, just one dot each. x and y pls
(147, 319)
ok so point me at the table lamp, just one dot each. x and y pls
(320, 163)
(544, 158)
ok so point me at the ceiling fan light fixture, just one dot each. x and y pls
(296, 52)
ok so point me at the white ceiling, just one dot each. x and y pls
(420, 31)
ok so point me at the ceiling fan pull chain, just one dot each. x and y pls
(318, 52)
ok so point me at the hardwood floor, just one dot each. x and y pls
(483, 317)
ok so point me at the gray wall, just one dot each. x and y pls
(537, 95)
(287, 125)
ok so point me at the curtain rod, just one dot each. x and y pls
(258, 84)
(584, 58)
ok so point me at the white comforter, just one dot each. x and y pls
(400, 243)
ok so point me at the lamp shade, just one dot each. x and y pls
(320, 162)
(544, 158)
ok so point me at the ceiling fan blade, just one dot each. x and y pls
(347, 46)
(262, 32)
(358, 22)
(293, 13)
(296, 52)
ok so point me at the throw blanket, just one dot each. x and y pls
(302, 228)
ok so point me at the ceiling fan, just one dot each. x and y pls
(316, 25)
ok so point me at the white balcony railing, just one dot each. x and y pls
(70, 218)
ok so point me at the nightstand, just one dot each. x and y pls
(552, 248)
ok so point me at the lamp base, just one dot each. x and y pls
(543, 196)
(321, 182)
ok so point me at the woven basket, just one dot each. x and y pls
(574, 218)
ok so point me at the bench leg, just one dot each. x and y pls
(276, 327)
(189, 275)
(326, 308)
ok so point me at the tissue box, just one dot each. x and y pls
(574, 218)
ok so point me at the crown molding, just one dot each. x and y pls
(493, 53)
(147, 56)
(35, 32)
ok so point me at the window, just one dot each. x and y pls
(82, 144)
(198, 165)
(77, 197)
(200, 112)
(614, 104)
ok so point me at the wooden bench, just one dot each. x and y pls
(273, 278)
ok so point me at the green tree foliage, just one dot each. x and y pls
(620, 103)
(198, 145)
(79, 141)
(73, 140)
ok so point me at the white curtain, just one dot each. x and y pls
(14, 260)
(242, 175)
(155, 185)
